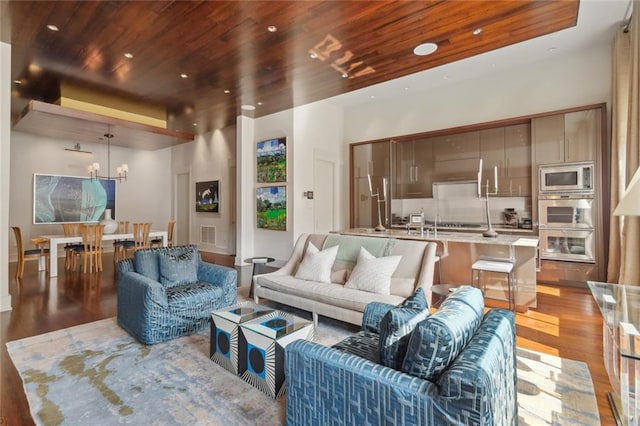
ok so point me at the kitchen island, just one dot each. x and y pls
(458, 251)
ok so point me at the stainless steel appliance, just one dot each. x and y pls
(566, 178)
(566, 228)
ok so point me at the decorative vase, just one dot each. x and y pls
(110, 225)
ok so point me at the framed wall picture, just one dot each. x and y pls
(271, 208)
(271, 157)
(69, 199)
(207, 196)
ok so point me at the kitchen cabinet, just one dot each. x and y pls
(455, 157)
(508, 149)
(414, 169)
(370, 160)
(564, 138)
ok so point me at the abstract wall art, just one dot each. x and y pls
(271, 207)
(208, 196)
(271, 164)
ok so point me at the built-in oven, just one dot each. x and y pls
(567, 244)
(561, 212)
(566, 178)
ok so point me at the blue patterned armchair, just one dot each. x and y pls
(407, 367)
(167, 292)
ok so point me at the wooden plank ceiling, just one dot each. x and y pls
(227, 46)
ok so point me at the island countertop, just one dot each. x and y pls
(445, 236)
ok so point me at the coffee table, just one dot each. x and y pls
(223, 347)
(261, 344)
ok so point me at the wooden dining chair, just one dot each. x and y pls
(120, 246)
(157, 242)
(70, 249)
(91, 246)
(23, 254)
(140, 237)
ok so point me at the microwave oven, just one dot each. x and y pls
(567, 178)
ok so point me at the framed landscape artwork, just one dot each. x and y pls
(271, 158)
(69, 199)
(207, 196)
(271, 207)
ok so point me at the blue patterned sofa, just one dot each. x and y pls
(167, 292)
(408, 367)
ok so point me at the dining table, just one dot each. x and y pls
(56, 240)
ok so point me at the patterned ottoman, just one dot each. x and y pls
(261, 344)
(223, 348)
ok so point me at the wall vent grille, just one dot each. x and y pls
(208, 234)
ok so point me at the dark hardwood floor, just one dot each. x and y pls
(566, 323)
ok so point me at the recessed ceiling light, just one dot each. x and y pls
(372, 97)
(248, 107)
(313, 55)
(345, 75)
(259, 103)
(406, 88)
(184, 75)
(477, 31)
(195, 124)
(227, 91)
(446, 77)
(552, 49)
(17, 81)
(53, 27)
(128, 55)
(272, 28)
(425, 49)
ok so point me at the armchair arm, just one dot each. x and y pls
(140, 299)
(328, 386)
(373, 313)
(222, 276)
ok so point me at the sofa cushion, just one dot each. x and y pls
(363, 344)
(395, 331)
(437, 341)
(316, 265)
(372, 273)
(330, 294)
(416, 301)
(178, 269)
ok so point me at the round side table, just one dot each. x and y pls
(258, 267)
(440, 292)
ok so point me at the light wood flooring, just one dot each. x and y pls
(566, 323)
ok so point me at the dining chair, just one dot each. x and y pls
(23, 254)
(157, 242)
(119, 246)
(140, 237)
(70, 229)
(91, 246)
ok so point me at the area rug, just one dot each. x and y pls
(96, 373)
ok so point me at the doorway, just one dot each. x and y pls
(181, 234)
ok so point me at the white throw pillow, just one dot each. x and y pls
(316, 265)
(373, 274)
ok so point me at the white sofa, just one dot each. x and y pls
(334, 300)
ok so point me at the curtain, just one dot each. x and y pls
(624, 241)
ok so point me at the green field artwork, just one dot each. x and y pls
(271, 208)
(271, 161)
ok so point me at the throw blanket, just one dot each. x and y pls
(349, 247)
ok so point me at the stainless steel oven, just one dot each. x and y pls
(567, 244)
(566, 212)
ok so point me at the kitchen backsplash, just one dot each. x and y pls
(467, 210)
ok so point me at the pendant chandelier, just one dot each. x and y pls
(121, 170)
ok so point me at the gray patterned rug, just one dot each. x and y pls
(97, 374)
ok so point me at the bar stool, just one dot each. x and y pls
(499, 266)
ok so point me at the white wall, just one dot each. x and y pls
(318, 133)
(5, 154)
(211, 156)
(313, 132)
(145, 197)
(562, 81)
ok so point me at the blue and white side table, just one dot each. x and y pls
(261, 344)
(223, 348)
